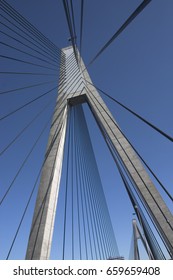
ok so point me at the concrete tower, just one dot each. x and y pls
(74, 89)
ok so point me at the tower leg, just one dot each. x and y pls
(39, 244)
(152, 199)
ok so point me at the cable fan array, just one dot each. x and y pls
(29, 72)
(88, 232)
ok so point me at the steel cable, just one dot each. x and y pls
(121, 29)
(27, 25)
(26, 104)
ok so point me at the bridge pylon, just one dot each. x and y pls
(75, 87)
(138, 235)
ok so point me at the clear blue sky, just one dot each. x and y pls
(136, 69)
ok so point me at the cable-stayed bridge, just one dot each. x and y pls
(69, 170)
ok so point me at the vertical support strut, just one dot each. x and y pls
(150, 196)
(43, 221)
(39, 244)
(40, 239)
(73, 88)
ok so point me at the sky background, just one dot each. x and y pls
(136, 69)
